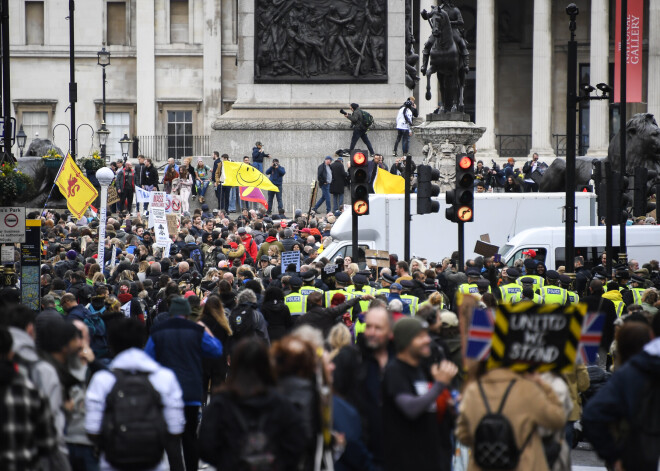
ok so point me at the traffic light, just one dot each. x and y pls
(641, 191)
(426, 189)
(462, 197)
(359, 183)
(600, 186)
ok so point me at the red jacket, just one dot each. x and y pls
(250, 246)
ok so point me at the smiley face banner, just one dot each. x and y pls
(242, 174)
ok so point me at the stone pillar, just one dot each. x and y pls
(542, 80)
(146, 69)
(486, 76)
(599, 128)
(426, 106)
(654, 59)
(212, 63)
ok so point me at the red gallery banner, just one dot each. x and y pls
(634, 53)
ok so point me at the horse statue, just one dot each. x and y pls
(447, 51)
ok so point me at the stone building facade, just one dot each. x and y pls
(183, 68)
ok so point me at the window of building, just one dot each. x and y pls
(179, 134)
(118, 123)
(36, 124)
(179, 21)
(116, 27)
(34, 23)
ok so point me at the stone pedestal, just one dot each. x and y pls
(444, 136)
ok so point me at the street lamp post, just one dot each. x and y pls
(104, 61)
(125, 145)
(21, 137)
(103, 139)
(104, 176)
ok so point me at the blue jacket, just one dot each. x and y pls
(406, 306)
(276, 174)
(346, 419)
(258, 155)
(180, 345)
(619, 402)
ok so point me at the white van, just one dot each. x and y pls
(642, 242)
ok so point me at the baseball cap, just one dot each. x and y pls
(241, 230)
(396, 286)
(530, 252)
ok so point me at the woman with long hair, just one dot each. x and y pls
(249, 397)
(214, 319)
(170, 175)
(185, 188)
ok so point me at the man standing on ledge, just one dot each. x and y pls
(359, 126)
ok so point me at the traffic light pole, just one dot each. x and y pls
(623, 99)
(571, 110)
(461, 246)
(407, 216)
(609, 216)
(354, 237)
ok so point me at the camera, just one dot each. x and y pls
(343, 112)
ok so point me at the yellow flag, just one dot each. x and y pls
(76, 188)
(386, 183)
(242, 174)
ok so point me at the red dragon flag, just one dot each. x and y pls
(76, 188)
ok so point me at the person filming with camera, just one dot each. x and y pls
(404, 122)
(361, 121)
(276, 173)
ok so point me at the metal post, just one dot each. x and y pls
(73, 86)
(354, 237)
(461, 246)
(103, 217)
(571, 110)
(103, 118)
(609, 216)
(6, 81)
(622, 111)
(407, 217)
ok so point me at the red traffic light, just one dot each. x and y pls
(359, 158)
(360, 207)
(465, 162)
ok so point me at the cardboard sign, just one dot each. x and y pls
(290, 257)
(160, 227)
(485, 249)
(113, 196)
(377, 258)
(531, 337)
(173, 223)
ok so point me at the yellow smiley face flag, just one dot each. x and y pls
(76, 188)
(242, 174)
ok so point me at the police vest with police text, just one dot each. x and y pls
(307, 290)
(573, 298)
(411, 301)
(509, 290)
(554, 295)
(468, 288)
(539, 282)
(296, 302)
(637, 295)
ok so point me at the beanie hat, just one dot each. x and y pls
(355, 106)
(405, 330)
(71, 255)
(60, 333)
(190, 239)
(179, 307)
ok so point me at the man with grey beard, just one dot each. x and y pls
(377, 351)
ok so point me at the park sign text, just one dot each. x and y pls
(12, 225)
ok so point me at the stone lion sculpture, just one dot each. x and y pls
(642, 150)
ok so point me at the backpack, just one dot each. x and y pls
(644, 441)
(196, 255)
(97, 334)
(243, 322)
(256, 450)
(134, 432)
(494, 441)
(367, 120)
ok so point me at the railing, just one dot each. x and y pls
(559, 144)
(161, 148)
(513, 145)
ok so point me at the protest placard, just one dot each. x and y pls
(291, 257)
(173, 222)
(113, 196)
(377, 258)
(330, 268)
(531, 337)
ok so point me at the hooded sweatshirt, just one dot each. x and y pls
(619, 401)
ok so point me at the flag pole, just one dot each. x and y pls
(54, 183)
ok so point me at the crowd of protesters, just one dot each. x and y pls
(316, 364)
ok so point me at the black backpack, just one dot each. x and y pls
(243, 322)
(494, 441)
(367, 120)
(256, 450)
(134, 431)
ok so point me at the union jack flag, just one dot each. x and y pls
(480, 334)
(592, 331)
